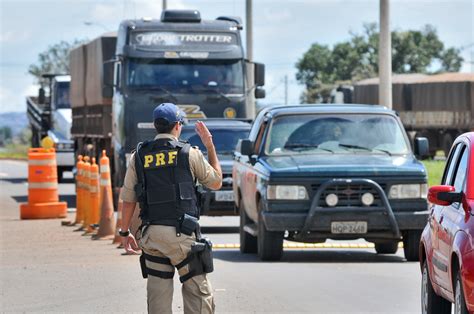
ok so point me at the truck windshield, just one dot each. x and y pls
(62, 96)
(329, 134)
(223, 76)
(224, 140)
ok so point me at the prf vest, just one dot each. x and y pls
(165, 189)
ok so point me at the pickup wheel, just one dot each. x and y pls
(431, 303)
(270, 243)
(411, 245)
(386, 247)
(248, 243)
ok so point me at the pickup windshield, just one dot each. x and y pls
(341, 134)
(224, 140)
(182, 76)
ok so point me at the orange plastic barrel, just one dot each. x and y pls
(43, 198)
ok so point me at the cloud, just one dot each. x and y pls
(14, 36)
(276, 15)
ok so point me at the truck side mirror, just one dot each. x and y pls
(422, 147)
(108, 73)
(259, 93)
(259, 74)
(245, 147)
(108, 78)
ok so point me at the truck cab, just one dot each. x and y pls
(51, 116)
(197, 64)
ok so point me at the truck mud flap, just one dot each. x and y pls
(315, 208)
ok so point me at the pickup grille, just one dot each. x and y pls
(349, 194)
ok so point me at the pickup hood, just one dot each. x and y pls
(343, 165)
(226, 163)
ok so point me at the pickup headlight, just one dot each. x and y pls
(408, 191)
(286, 192)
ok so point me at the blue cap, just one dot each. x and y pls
(169, 112)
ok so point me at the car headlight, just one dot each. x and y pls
(408, 191)
(286, 192)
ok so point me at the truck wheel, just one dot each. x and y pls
(431, 303)
(270, 243)
(411, 245)
(248, 243)
(459, 299)
(386, 247)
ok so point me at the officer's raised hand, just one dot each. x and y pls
(204, 134)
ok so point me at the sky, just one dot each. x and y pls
(283, 31)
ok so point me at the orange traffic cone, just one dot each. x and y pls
(43, 198)
(118, 239)
(87, 195)
(94, 190)
(106, 225)
(79, 213)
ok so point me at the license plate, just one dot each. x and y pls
(349, 227)
(224, 196)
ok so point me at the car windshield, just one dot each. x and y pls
(221, 76)
(330, 134)
(224, 140)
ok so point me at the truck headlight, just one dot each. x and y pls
(286, 192)
(408, 191)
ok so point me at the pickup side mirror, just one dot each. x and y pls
(422, 147)
(245, 147)
(259, 93)
(259, 74)
(443, 195)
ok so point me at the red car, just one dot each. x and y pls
(447, 242)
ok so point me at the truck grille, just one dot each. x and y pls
(349, 194)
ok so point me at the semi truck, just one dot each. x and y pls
(118, 78)
(51, 116)
(439, 107)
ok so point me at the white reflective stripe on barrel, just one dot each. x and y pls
(42, 185)
(104, 168)
(93, 189)
(105, 182)
(42, 162)
(94, 176)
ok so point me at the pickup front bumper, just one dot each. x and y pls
(315, 224)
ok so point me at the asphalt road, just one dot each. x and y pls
(49, 268)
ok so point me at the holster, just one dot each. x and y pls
(203, 251)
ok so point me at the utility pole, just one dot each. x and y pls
(249, 29)
(164, 5)
(286, 90)
(385, 56)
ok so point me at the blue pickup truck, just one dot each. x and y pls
(309, 173)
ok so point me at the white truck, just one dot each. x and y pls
(51, 116)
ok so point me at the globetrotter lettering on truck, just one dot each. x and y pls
(174, 39)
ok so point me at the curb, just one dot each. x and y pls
(309, 246)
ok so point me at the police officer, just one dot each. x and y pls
(161, 176)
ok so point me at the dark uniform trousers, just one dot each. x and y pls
(162, 241)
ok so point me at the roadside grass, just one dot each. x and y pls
(435, 170)
(14, 151)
